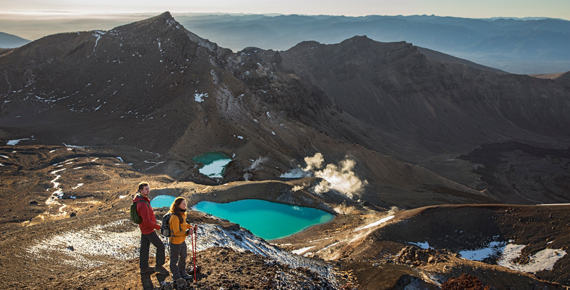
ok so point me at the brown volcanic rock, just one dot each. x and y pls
(450, 229)
(430, 101)
(426, 111)
(27, 220)
(464, 282)
(563, 79)
(132, 91)
(134, 88)
(114, 85)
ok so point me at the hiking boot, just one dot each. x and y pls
(198, 268)
(147, 270)
(181, 283)
(161, 270)
(165, 285)
(185, 275)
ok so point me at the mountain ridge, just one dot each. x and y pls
(109, 88)
(11, 41)
(404, 148)
(473, 39)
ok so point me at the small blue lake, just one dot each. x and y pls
(213, 163)
(268, 220)
(162, 201)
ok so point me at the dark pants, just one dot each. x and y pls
(176, 252)
(146, 240)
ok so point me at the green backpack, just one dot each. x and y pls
(135, 217)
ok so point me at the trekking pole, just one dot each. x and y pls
(194, 246)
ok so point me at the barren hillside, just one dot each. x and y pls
(404, 146)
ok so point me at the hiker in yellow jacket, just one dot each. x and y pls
(178, 250)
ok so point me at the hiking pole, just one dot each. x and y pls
(194, 246)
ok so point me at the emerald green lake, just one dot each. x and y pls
(214, 163)
(268, 220)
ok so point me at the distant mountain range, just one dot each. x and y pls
(433, 165)
(422, 127)
(521, 45)
(524, 46)
(11, 41)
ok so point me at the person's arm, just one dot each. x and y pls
(144, 212)
(175, 227)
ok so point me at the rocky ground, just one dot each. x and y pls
(84, 240)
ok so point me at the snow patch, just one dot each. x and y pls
(422, 245)
(69, 147)
(150, 162)
(376, 223)
(98, 35)
(199, 98)
(329, 246)
(494, 248)
(302, 250)
(16, 141)
(83, 246)
(542, 260)
(507, 253)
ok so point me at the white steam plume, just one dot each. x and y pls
(257, 163)
(298, 187)
(314, 162)
(296, 173)
(340, 178)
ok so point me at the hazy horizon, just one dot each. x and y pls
(33, 26)
(465, 9)
(32, 19)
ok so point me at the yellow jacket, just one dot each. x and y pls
(178, 230)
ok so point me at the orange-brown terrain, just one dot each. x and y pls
(441, 173)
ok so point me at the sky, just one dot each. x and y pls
(33, 19)
(458, 8)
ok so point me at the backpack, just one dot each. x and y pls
(165, 227)
(135, 217)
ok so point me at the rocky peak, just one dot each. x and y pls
(358, 39)
(164, 21)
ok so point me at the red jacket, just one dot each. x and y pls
(144, 209)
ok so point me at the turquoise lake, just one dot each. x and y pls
(213, 163)
(162, 201)
(268, 220)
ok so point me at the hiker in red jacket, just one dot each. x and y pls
(148, 235)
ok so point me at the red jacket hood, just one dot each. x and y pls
(140, 197)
